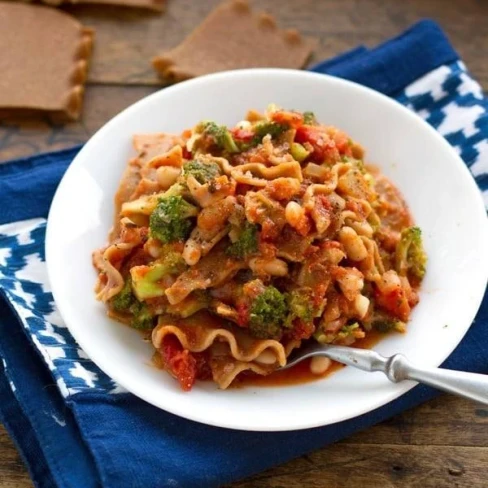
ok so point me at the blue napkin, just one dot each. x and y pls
(75, 428)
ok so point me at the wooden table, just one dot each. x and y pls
(443, 443)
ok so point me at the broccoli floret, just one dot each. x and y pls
(141, 316)
(146, 279)
(172, 261)
(223, 138)
(146, 204)
(263, 128)
(267, 314)
(410, 257)
(124, 299)
(385, 325)
(302, 305)
(126, 302)
(309, 118)
(169, 221)
(198, 300)
(175, 190)
(246, 244)
(345, 332)
(202, 172)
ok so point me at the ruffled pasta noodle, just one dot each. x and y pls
(110, 280)
(233, 247)
(257, 174)
(233, 351)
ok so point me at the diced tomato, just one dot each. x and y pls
(356, 207)
(293, 119)
(281, 189)
(179, 362)
(302, 330)
(317, 138)
(269, 229)
(178, 246)
(303, 226)
(186, 154)
(243, 314)
(308, 133)
(267, 249)
(242, 188)
(395, 302)
(324, 147)
(342, 143)
(323, 209)
(244, 135)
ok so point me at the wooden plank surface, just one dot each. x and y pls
(127, 40)
(443, 443)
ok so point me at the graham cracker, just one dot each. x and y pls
(233, 37)
(43, 62)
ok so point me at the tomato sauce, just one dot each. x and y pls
(301, 372)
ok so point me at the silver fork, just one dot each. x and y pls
(397, 368)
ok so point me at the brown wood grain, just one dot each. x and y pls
(443, 443)
(25, 136)
(127, 40)
(440, 444)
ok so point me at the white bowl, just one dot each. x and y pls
(443, 198)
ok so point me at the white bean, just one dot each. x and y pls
(354, 246)
(191, 252)
(266, 357)
(273, 267)
(294, 213)
(389, 282)
(244, 124)
(319, 365)
(337, 202)
(167, 175)
(361, 304)
(153, 248)
(351, 282)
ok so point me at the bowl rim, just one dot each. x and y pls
(110, 368)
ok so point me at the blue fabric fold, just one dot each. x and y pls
(36, 416)
(87, 440)
(27, 185)
(395, 64)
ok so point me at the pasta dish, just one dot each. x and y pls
(233, 246)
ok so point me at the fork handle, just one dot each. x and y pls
(469, 385)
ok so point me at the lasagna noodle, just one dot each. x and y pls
(245, 173)
(155, 150)
(149, 146)
(225, 369)
(128, 184)
(231, 350)
(105, 260)
(140, 177)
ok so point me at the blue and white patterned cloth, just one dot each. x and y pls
(75, 427)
